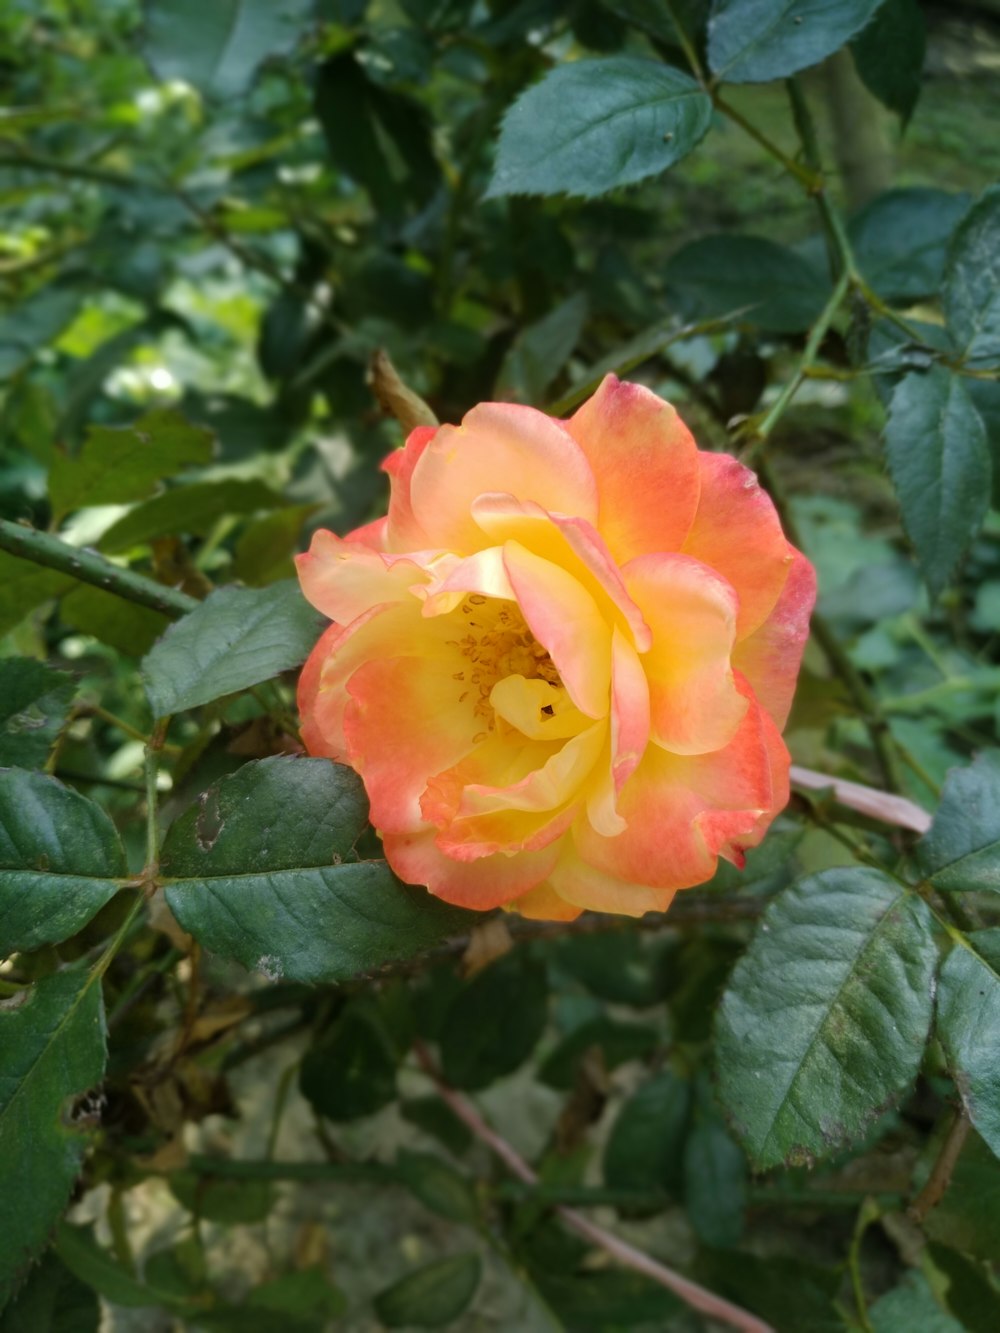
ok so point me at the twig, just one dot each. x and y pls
(883, 805)
(79, 563)
(940, 1177)
(698, 1297)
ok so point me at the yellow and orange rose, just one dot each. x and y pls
(562, 662)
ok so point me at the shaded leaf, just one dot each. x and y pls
(592, 125)
(53, 1040)
(618, 1043)
(961, 851)
(494, 1021)
(605, 1302)
(193, 509)
(646, 1143)
(825, 1017)
(61, 860)
(350, 1071)
(753, 41)
(901, 238)
(34, 706)
(87, 1260)
(968, 1024)
(968, 1216)
(258, 871)
(540, 351)
(971, 1296)
(236, 638)
(131, 629)
(889, 55)
(439, 1186)
(938, 458)
(23, 586)
(432, 1296)
(911, 1305)
(766, 283)
(715, 1183)
(972, 281)
(52, 1300)
(231, 1202)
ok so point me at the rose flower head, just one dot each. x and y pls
(561, 664)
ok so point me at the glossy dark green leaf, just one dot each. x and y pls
(824, 1021)
(218, 47)
(118, 464)
(193, 509)
(753, 279)
(962, 849)
(432, 1296)
(439, 1186)
(61, 860)
(889, 55)
(495, 1021)
(968, 1024)
(645, 1147)
(34, 706)
(350, 1071)
(753, 41)
(910, 1306)
(53, 1040)
(52, 1300)
(972, 281)
(236, 638)
(939, 461)
(592, 125)
(258, 870)
(901, 239)
(715, 1183)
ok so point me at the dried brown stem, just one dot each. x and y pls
(883, 805)
(940, 1177)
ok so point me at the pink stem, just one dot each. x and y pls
(698, 1297)
(866, 800)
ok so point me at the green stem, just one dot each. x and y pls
(41, 548)
(869, 1212)
(805, 177)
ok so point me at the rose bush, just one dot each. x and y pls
(562, 662)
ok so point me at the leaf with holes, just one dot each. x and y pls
(753, 41)
(825, 1018)
(939, 461)
(53, 1039)
(592, 125)
(259, 870)
(61, 860)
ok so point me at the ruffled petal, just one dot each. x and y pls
(737, 532)
(771, 656)
(695, 706)
(627, 739)
(403, 530)
(565, 620)
(344, 579)
(320, 712)
(480, 885)
(646, 465)
(683, 811)
(588, 889)
(498, 447)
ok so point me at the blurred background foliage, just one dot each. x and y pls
(214, 216)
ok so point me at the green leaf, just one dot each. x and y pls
(437, 1119)
(218, 47)
(592, 125)
(715, 1184)
(608, 1301)
(258, 871)
(910, 1306)
(439, 1186)
(794, 1295)
(61, 860)
(971, 1296)
(23, 586)
(193, 509)
(825, 1018)
(495, 1021)
(540, 351)
(972, 281)
(87, 1260)
(432, 1296)
(301, 1295)
(52, 1300)
(939, 461)
(900, 240)
(34, 706)
(112, 620)
(618, 1043)
(236, 638)
(766, 283)
(754, 41)
(646, 1142)
(961, 851)
(889, 55)
(53, 1040)
(968, 1024)
(118, 464)
(34, 324)
(968, 1216)
(231, 1202)
(350, 1071)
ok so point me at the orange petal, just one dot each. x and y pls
(453, 578)
(403, 531)
(695, 706)
(598, 891)
(565, 620)
(480, 885)
(629, 735)
(737, 531)
(498, 447)
(370, 534)
(646, 465)
(682, 812)
(344, 579)
(544, 904)
(318, 711)
(771, 656)
(573, 544)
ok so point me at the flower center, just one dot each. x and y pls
(496, 644)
